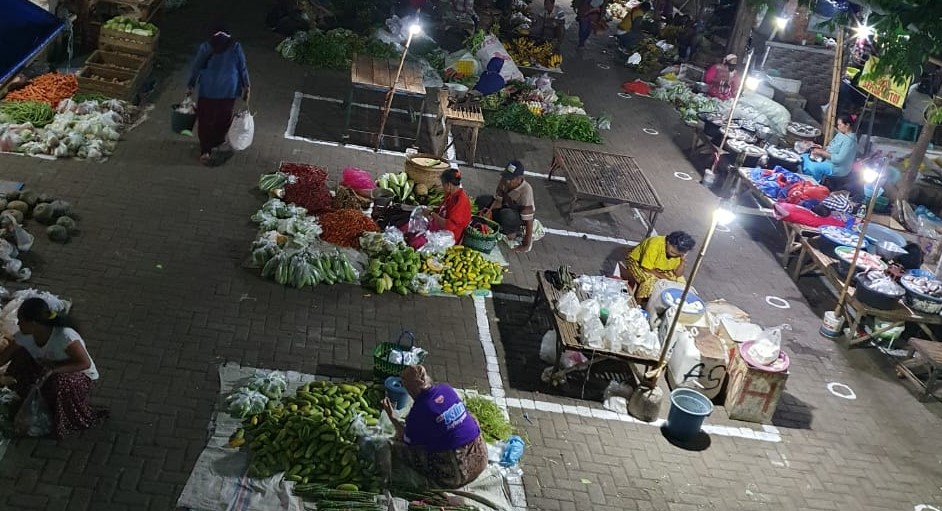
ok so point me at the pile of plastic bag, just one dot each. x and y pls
(90, 129)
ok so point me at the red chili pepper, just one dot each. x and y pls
(345, 226)
(309, 189)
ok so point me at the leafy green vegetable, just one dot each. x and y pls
(494, 426)
(333, 49)
(517, 117)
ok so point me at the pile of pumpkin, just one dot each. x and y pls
(45, 209)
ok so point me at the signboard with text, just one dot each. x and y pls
(883, 87)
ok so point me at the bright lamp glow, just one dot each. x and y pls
(781, 22)
(863, 31)
(723, 216)
(870, 175)
(415, 28)
(752, 83)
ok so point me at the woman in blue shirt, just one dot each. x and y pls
(838, 157)
(221, 73)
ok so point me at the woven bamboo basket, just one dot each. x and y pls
(423, 175)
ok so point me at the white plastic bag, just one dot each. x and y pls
(766, 348)
(569, 306)
(492, 47)
(33, 417)
(634, 59)
(548, 347)
(242, 131)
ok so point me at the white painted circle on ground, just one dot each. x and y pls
(722, 228)
(683, 176)
(926, 507)
(650, 131)
(624, 95)
(604, 66)
(778, 303)
(842, 391)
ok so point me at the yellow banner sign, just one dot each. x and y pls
(883, 87)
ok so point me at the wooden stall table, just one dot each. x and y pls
(466, 116)
(812, 261)
(607, 182)
(930, 359)
(700, 141)
(376, 75)
(568, 336)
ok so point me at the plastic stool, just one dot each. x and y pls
(906, 130)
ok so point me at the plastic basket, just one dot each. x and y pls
(382, 367)
(481, 242)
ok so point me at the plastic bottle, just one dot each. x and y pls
(513, 452)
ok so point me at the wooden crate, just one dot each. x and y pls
(116, 40)
(93, 80)
(128, 62)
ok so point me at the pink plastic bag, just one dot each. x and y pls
(357, 179)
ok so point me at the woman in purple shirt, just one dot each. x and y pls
(443, 441)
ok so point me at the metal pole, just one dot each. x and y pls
(732, 110)
(392, 93)
(860, 238)
(655, 373)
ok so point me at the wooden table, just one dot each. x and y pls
(930, 359)
(569, 337)
(465, 116)
(607, 182)
(376, 75)
(812, 261)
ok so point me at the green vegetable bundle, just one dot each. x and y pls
(38, 113)
(131, 26)
(312, 437)
(493, 423)
(269, 182)
(333, 49)
(518, 117)
(306, 268)
(393, 270)
(399, 184)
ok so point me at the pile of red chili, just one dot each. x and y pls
(309, 189)
(345, 226)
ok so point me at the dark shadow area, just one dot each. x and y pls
(522, 337)
(700, 442)
(320, 119)
(341, 372)
(792, 413)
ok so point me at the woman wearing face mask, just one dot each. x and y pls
(723, 78)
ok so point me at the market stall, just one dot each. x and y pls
(534, 36)
(374, 233)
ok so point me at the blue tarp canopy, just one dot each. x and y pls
(25, 29)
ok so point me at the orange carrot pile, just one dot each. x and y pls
(49, 88)
(344, 227)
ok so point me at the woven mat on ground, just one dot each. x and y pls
(218, 481)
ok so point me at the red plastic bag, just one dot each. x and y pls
(357, 179)
(806, 190)
(796, 214)
(637, 87)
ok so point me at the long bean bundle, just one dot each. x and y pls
(38, 113)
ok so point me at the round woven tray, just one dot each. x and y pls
(422, 175)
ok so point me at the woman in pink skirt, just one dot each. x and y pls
(48, 350)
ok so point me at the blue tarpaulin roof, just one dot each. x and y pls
(25, 29)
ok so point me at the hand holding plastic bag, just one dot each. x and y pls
(33, 417)
(242, 131)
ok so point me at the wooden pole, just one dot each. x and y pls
(392, 93)
(837, 73)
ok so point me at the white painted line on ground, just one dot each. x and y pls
(650, 131)
(363, 105)
(768, 434)
(842, 391)
(594, 237)
(344, 146)
(683, 176)
(561, 179)
(778, 303)
(624, 95)
(293, 116)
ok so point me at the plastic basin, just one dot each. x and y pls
(689, 409)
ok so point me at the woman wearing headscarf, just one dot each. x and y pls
(439, 439)
(837, 159)
(722, 78)
(491, 82)
(657, 258)
(48, 352)
(222, 75)
(454, 213)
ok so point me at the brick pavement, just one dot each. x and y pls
(158, 285)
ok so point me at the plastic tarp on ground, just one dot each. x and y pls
(25, 29)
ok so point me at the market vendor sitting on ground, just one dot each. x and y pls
(491, 82)
(512, 206)
(657, 258)
(454, 213)
(630, 30)
(46, 351)
(439, 439)
(722, 78)
(837, 159)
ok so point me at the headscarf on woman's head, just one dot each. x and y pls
(416, 379)
(221, 40)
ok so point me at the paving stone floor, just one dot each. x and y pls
(159, 288)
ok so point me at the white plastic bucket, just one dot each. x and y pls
(831, 325)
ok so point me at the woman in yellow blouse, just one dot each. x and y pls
(656, 258)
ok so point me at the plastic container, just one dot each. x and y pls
(396, 392)
(689, 409)
(875, 299)
(180, 122)
(918, 301)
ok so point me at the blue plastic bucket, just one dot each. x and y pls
(688, 410)
(396, 392)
